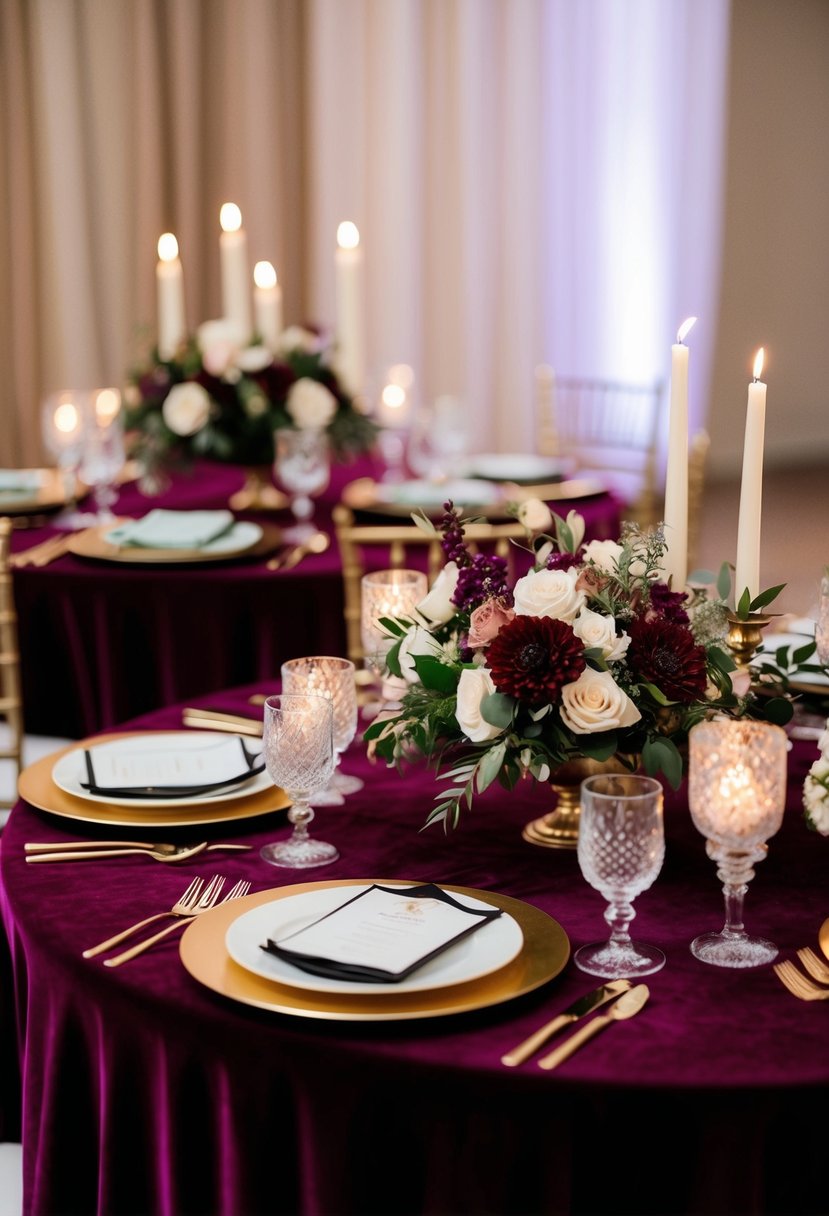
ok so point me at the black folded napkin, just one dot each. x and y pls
(333, 969)
(173, 791)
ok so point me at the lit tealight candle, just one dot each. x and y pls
(233, 249)
(349, 285)
(267, 302)
(676, 477)
(747, 572)
(172, 325)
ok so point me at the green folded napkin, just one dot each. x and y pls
(20, 481)
(160, 529)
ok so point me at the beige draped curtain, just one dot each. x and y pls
(534, 180)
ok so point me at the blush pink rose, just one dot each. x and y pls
(485, 622)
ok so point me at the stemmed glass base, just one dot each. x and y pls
(728, 949)
(616, 960)
(300, 851)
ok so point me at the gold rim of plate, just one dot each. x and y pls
(365, 494)
(542, 957)
(50, 495)
(91, 543)
(38, 789)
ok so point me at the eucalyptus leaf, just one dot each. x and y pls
(724, 581)
(489, 766)
(744, 604)
(766, 597)
(804, 652)
(778, 710)
(497, 709)
(601, 746)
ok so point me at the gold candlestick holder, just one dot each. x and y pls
(745, 635)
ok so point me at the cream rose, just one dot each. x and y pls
(220, 342)
(597, 631)
(186, 408)
(603, 553)
(535, 515)
(437, 604)
(254, 359)
(475, 684)
(295, 337)
(310, 404)
(595, 702)
(551, 593)
(418, 641)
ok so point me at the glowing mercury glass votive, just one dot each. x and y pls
(387, 593)
(737, 793)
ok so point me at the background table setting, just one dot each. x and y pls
(306, 1099)
(92, 614)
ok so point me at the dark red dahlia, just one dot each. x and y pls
(669, 604)
(532, 658)
(665, 654)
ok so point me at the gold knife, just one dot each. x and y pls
(581, 1007)
(626, 1007)
(214, 719)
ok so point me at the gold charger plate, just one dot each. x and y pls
(39, 790)
(365, 494)
(203, 952)
(48, 497)
(91, 543)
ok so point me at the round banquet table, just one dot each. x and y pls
(102, 641)
(138, 1090)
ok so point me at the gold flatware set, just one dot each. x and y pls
(196, 899)
(807, 987)
(44, 553)
(214, 719)
(628, 1002)
(292, 556)
(88, 850)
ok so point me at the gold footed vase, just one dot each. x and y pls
(559, 828)
(258, 493)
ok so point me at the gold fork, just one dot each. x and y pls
(798, 984)
(208, 900)
(817, 969)
(182, 907)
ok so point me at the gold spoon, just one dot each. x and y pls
(317, 543)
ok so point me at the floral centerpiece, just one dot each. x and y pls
(221, 398)
(589, 654)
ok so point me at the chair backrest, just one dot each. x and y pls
(610, 428)
(365, 547)
(697, 457)
(11, 706)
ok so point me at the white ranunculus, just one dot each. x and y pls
(599, 632)
(603, 553)
(816, 795)
(310, 404)
(220, 342)
(475, 684)
(549, 593)
(417, 641)
(254, 359)
(535, 515)
(186, 408)
(595, 702)
(437, 604)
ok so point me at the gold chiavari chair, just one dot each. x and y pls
(11, 706)
(398, 541)
(608, 428)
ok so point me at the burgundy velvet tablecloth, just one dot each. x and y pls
(143, 1092)
(101, 642)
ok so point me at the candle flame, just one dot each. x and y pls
(264, 275)
(107, 405)
(685, 328)
(348, 235)
(67, 418)
(167, 247)
(759, 359)
(394, 396)
(230, 217)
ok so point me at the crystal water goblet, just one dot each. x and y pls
(103, 454)
(298, 740)
(62, 420)
(621, 848)
(331, 677)
(303, 467)
(737, 794)
(386, 593)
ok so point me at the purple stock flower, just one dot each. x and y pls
(484, 578)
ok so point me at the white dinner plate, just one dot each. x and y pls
(516, 466)
(238, 538)
(482, 952)
(809, 680)
(464, 492)
(70, 769)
